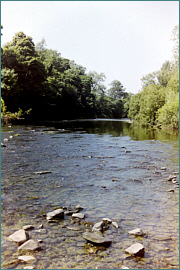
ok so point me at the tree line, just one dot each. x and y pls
(39, 84)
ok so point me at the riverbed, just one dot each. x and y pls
(110, 168)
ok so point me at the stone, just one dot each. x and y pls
(107, 220)
(137, 232)
(19, 236)
(40, 226)
(115, 224)
(170, 190)
(43, 172)
(69, 213)
(78, 215)
(58, 213)
(100, 227)
(26, 258)
(136, 249)
(78, 207)
(171, 177)
(29, 245)
(96, 239)
(124, 267)
(3, 145)
(163, 168)
(28, 227)
(175, 172)
(28, 267)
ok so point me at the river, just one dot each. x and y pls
(109, 167)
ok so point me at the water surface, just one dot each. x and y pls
(110, 168)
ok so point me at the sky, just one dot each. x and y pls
(125, 40)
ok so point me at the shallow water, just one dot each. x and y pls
(90, 166)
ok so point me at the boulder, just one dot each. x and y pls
(26, 258)
(100, 226)
(29, 245)
(96, 239)
(78, 215)
(58, 213)
(19, 236)
(136, 249)
(137, 232)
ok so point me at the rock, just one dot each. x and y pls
(174, 181)
(107, 220)
(176, 186)
(78, 215)
(58, 213)
(124, 267)
(127, 151)
(136, 249)
(96, 239)
(28, 227)
(78, 208)
(73, 228)
(19, 236)
(163, 168)
(103, 186)
(43, 172)
(100, 227)
(170, 190)
(137, 232)
(3, 145)
(28, 267)
(40, 226)
(171, 177)
(175, 172)
(26, 258)
(69, 213)
(115, 224)
(29, 245)
(6, 140)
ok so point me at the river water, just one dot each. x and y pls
(111, 169)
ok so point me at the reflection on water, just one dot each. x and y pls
(110, 168)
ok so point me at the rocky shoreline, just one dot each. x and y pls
(94, 234)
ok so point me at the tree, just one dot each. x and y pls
(117, 90)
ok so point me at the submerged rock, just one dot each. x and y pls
(29, 245)
(58, 213)
(96, 239)
(136, 249)
(137, 232)
(19, 236)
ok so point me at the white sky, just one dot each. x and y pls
(123, 39)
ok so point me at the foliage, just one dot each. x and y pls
(158, 102)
